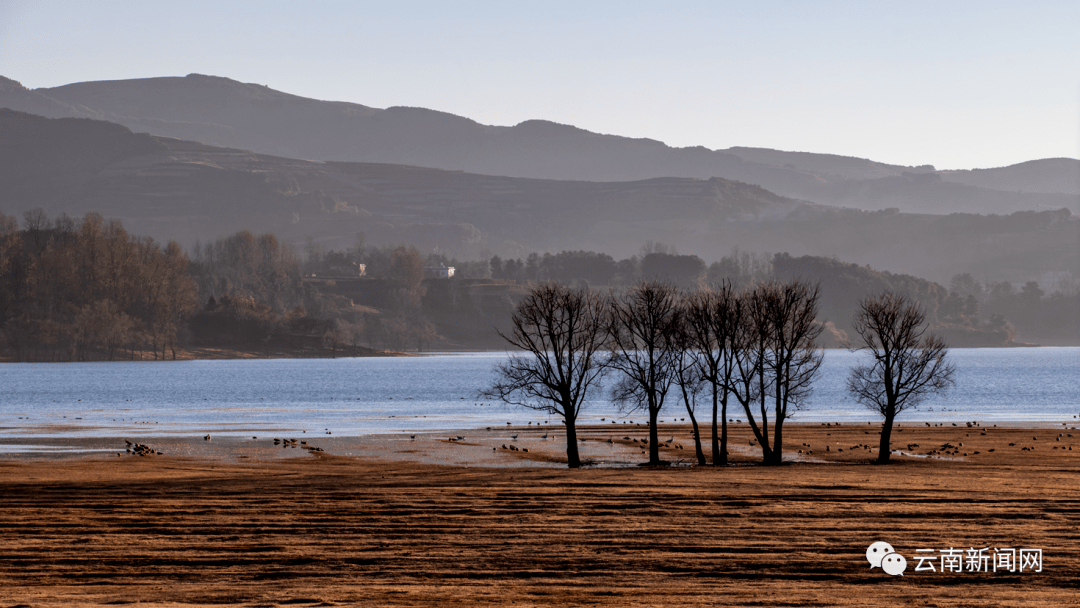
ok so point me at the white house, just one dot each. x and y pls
(439, 272)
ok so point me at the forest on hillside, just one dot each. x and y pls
(76, 290)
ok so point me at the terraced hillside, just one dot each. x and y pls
(175, 189)
(224, 112)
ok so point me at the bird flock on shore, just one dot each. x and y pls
(138, 449)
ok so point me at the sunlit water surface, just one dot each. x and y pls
(353, 397)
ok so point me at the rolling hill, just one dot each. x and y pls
(174, 189)
(226, 113)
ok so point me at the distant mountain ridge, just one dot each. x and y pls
(1048, 175)
(80, 165)
(223, 112)
(175, 189)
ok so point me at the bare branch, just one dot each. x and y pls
(907, 366)
(562, 333)
(643, 332)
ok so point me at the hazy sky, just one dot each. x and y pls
(958, 84)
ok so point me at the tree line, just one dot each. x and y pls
(75, 290)
(81, 289)
(78, 289)
(752, 348)
(655, 260)
(1027, 311)
(408, 306)
(968, 312)
(68, 288)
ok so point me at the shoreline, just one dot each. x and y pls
(229, 354)
(602, 446)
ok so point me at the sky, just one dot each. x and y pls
(954, 83)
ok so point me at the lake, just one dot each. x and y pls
(353, 397)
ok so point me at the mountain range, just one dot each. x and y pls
(171, 188)
(225, 113)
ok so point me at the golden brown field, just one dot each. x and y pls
(331, 530)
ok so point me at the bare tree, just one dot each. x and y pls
(777, 359)
(646, 350)
(106, 326)
(691, 382)
(908, 365)
(181, 292)
(352, 333)
(37, 228)
(407, 272)
(562, 332)
(712, 317)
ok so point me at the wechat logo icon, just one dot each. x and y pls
(882, 555)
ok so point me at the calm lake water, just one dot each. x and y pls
(355, 397)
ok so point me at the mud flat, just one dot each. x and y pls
(404, 522)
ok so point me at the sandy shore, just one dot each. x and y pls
(393, 520)
(616, 445)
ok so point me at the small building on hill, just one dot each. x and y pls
(438, 272)
(352, 271)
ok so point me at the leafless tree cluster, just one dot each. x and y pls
(69, 287)
(778, 359)
(256, 295)
(712, 327)
(754, 347)
(404, 324)
(252, 293)
(245, 266)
